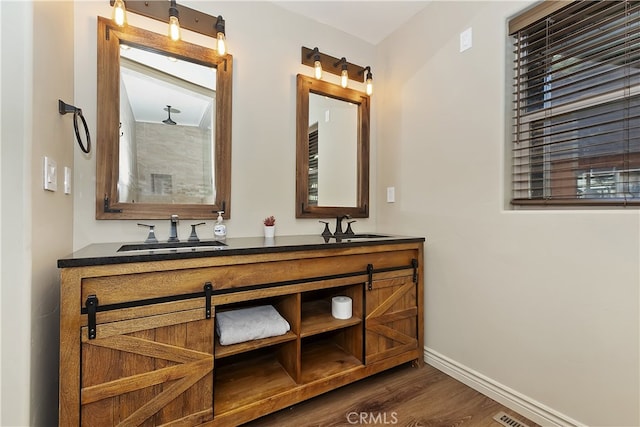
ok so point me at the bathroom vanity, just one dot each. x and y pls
(137, 327)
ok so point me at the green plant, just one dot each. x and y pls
(269, 221)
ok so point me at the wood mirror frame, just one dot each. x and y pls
(108, 109)
(305, 86)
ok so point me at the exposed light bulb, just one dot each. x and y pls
(317, 66)
(344, 74)
(174, 23)
(174, 28)
(119, 13)
(221, 38)
(369, 83)
(222, 43)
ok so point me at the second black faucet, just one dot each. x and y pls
(173, 231)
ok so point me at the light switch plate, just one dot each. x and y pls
(466, 39)
(50, 174)
(391, 194)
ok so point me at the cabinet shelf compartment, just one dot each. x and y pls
(247, 378)
(286, 307)
(317, 318)
(233, 349)
(322, 357)
(316, 310)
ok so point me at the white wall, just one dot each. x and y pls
(265, 41)
(37, 70)
(51, 212)
(1, 223)
(542, 305)
(15, 139)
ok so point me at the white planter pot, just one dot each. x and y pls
(269, 231)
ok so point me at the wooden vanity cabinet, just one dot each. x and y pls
(138, 343)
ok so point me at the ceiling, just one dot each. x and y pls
(371, 21)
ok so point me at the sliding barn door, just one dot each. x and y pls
(391, 322)
(148, 370)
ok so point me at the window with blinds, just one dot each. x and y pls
(576, 137)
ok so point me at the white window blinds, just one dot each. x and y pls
(576, 116)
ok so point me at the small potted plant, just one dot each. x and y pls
(269, 226)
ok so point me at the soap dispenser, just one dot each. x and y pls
(220, 230)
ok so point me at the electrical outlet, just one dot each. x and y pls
(50, 174)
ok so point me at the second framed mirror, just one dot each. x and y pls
(332, 150)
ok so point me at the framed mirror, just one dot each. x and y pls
(164, 127)
(332, 150)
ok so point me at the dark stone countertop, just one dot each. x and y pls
(107, 253)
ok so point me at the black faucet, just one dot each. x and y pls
(194, 236)
(151, 238)
(339, 219)
(349, 231)
(326, 232)
(173, 231)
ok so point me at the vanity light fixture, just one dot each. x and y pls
(339, 66)
(176, 15)
(174, 22)
(344, 73)
(119, 14)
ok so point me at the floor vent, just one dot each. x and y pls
(508, 421)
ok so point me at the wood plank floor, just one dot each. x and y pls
(404, 396)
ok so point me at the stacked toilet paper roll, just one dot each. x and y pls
(341, 307)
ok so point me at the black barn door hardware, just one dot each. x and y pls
(92, 306)
(208, 288)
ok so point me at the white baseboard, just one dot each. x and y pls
(523, 405)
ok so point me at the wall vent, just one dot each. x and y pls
(507, 420)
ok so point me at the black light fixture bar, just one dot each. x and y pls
(190, 19)
(355, 72)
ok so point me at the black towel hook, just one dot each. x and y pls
(64, 108)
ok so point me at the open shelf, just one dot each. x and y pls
(324, 358)
(317, 318)
(285, 305)
(232, 349)
(248, 380)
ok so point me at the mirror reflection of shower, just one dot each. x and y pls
(169, 110)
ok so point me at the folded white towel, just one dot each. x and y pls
(247, 324)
